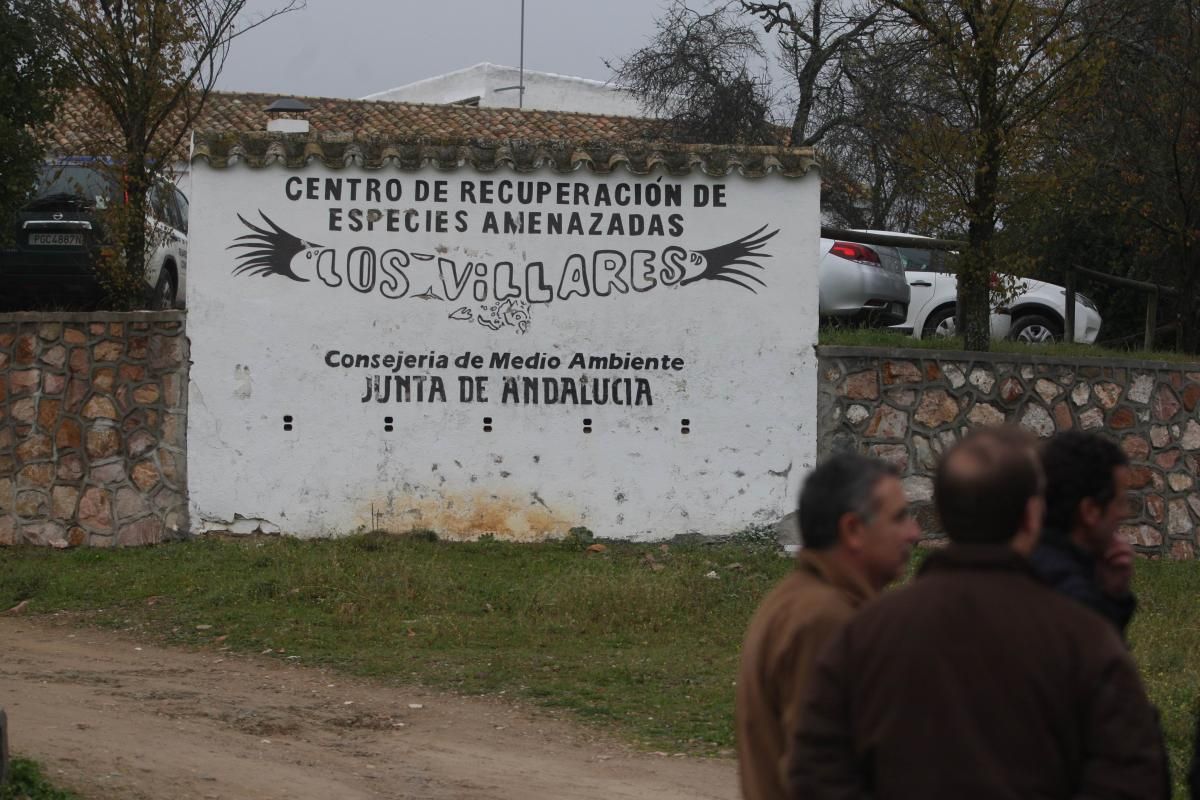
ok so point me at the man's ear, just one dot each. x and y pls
(1088, 513)
(1030, 532)
(850, 531)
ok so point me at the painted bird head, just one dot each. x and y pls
(269, 250)
(719, 263)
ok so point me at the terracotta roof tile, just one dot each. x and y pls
(375, 132)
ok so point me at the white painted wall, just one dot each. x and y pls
(260, 344)
(544, 91)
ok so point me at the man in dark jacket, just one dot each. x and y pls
(977, 680)
(1080, 554)
(858, 535)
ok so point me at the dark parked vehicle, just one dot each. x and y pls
(60, 238)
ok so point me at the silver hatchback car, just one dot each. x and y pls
(862, 284)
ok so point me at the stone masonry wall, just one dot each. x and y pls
(906, 406)
(92, 428)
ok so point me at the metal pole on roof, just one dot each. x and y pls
(521, 78)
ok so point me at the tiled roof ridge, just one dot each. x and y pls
(483, 110)
(258, 149)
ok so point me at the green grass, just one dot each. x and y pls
(874, 337)
(649, 653)
(26, 782)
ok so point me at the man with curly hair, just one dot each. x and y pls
(1080, 554)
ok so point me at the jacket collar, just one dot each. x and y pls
(994, 557)
(1061, 544)
(828, 570)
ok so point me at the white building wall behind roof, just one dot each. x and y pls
(544, 91)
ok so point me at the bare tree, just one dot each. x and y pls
(812, 38)
(696, 76)
(151, 65)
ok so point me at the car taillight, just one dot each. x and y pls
(855, 252)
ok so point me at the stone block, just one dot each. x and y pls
(1136, 447)
(103, 442)
(1140, 477)
(985, 414)
(55, 356)
(148, 530)
(132, 373)
(78, 361)
(856, 414)
(1143, 385)
(53, 384)
(1062, 416)
(116, 330)
(69, 435)
(1191, 395)
(8, 530)
(1160, 436)
(8, 496)
(70, 467)
(1179, 481)
(24, 381)
(48, 411)
(888, 423)
(1156, 507)
(1081, 394)
(97, 328)
(937, 408)
(35, 447)
(918, 489)
(95, 509)
(63, 501)
(1167, 459)
(107, 473)
(138, 347)
(1047, 389)
(39, 476)
(108, 351)
(141, 443)
(1038, 420)
(1141, 535)
(1179, 520)
(42, 534)
(859, 386)
(923, 450)
(1122, 419)
(74, 336)
(130, 504)
(1191, 435)
(76, 536)
(145, 475)
(894, 454)
(900, 372)
(1182, 550)
(169, 466)
(1166, 405)
(900, 397)
(982, 379)
(26, 350)
(103, 379)
(1107, 394)
(32, 503)
(25, 410)
(77, 390)
(954, 374)
(1011, 389)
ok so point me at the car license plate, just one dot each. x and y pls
(56, 239)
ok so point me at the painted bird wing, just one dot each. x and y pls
(268, 251)
(720, 261)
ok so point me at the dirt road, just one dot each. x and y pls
(112, 717)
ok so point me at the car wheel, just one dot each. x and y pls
(940, 323)
(1036, 329)
(164, 292)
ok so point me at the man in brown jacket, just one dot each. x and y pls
(978, 681)
(857, 536)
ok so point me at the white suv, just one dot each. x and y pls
(1035, 312)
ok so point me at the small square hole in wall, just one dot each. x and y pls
(387, 425)
(287, 422)
(487, 424)
(685, 426)
(587, 424)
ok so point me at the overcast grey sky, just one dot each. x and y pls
(350, 48)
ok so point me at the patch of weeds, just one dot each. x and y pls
(421, 535)
(578, 538)
(26, 782)
(756, 535)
